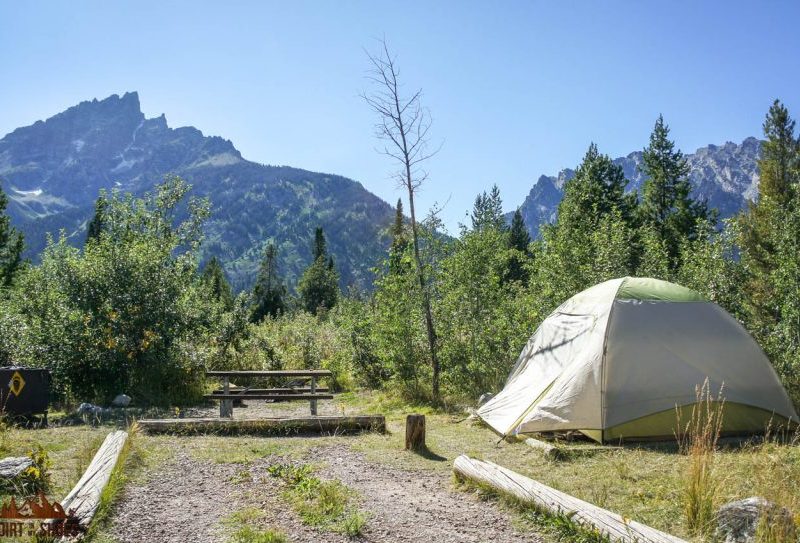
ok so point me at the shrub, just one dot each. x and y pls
(127, 313)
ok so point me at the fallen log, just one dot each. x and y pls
(554, 502)
(13, 466)
(280, 426)
(84, 499)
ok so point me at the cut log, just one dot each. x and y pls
(11, 467)
(554, 502)
(415, 432)
(84, 499)
(278, 426)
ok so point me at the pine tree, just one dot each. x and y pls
(518, 237)
(214, 277)
(597, 189)
(98, 222)
(519, 241)
(269, 291)
(320, 245)
(11, 245)
(779, 165)
(319, 285)
(667, 206)
(762, 224)
(399, 241)
(487, 212)
(569, 252)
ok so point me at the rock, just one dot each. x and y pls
(738, 521)
(122, 400)
(485, 397)
(12, 466)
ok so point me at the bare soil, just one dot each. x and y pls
(187, 499)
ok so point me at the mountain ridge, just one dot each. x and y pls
(54, 169)
(726, 176)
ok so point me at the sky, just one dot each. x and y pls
(515, 89)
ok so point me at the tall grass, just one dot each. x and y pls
(697, 439)
(774, 478)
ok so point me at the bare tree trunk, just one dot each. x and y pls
(426, 302)
(405, 124)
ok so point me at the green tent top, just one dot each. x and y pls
(655, 290)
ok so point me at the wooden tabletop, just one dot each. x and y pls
(270, 373)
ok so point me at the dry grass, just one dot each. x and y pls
(69, 449)
(697, 440)
(645, 482)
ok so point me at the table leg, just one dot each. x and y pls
(226, 406)
(313, 391)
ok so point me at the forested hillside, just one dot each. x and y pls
(53, 170)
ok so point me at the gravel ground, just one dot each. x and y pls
(186, 499)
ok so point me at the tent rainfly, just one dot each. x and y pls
(615, 361)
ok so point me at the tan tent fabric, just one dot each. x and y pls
(600, 361)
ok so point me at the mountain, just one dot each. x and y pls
(53, 170)
(724, 175)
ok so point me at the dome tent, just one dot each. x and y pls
(615, 360)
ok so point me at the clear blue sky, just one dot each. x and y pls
(516, 89)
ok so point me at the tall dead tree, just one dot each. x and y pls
(404, 126)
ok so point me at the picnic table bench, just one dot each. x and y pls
(226, 395)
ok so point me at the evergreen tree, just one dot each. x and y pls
(667, 206)
(519, 241)
(320, 245)
(597, 189)
(98, 222)
(399, 240)
(319, 285)
(214, 278)
(269, 292)
(487, 212)
(574, 248)
(11, 245)
(779, 165)
(763, 223)
(518, 237)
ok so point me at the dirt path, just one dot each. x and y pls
(187, 499)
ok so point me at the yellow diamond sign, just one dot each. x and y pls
(16, 384)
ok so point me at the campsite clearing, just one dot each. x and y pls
(203, 485)
(200, 481)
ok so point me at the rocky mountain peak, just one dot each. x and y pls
(724, 175)
(53, 170)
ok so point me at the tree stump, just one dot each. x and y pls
(415, 432)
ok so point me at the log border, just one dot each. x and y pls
(611, 525)
(268, 426)
(85, 497)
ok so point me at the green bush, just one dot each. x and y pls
(128, 312)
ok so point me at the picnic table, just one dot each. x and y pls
(226, 395)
